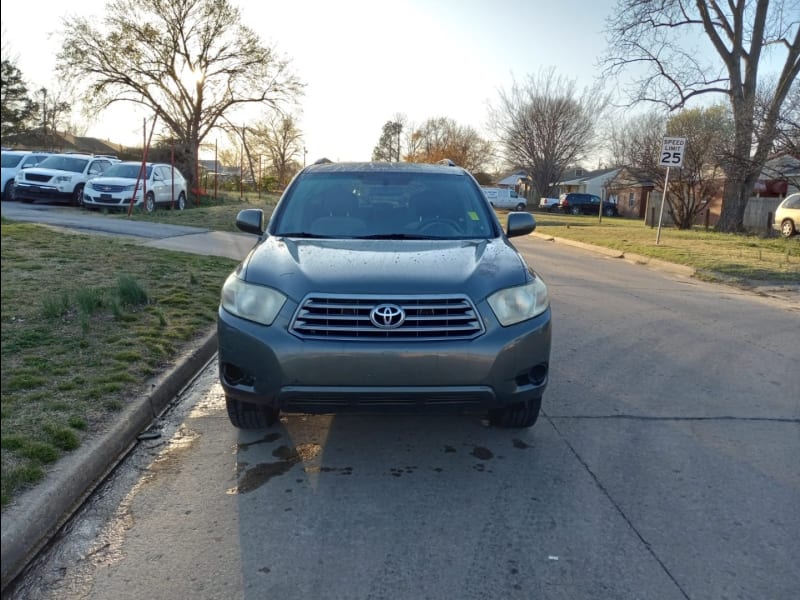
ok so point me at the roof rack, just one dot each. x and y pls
(447, 162)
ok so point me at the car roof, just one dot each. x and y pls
(384, 167)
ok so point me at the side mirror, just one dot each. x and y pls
(251, 220)
(520, 223)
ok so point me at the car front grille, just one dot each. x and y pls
(37, 177)
(110, 189)
(348, 318)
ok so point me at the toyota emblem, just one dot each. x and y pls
(387, 316)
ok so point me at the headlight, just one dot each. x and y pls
(252, 302)
(63, 179)
(129, 188)
(517, 304)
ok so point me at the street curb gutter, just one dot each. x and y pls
(610, 252)
(32, 520)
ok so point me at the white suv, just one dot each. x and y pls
(60, 177)
(13, 161)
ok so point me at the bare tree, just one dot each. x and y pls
(708, 133)
(442, 138)
(657, 36)
(635, 141)
(189, 61)
(545, 124)
(283, 142)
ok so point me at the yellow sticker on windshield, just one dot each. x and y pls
(473, 215)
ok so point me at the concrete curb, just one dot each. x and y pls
(34, 518)
(629, 256)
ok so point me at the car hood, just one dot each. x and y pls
(49, 172)
(115, 181)
(473, 267)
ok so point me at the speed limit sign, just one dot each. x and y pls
(672, 152)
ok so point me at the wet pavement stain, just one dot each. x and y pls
(482, 453)
(260, 474)
(449, 449)
(264, 570)
(398, 471)
(520, 444)
(337, 470)
(267, 439)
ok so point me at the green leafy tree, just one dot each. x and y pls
(191, 62)
(659, 42)
(388, 147)
(18, 111)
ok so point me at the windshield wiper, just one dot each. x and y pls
(300, 234)
(397, 236)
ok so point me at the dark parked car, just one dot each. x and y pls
(585, 204)
(389, 287)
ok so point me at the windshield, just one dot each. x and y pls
(127, 171)
(64, 163)
(384, 205)
(11, 160)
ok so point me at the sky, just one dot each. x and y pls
(364, 61)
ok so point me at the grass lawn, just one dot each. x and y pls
(87, 320)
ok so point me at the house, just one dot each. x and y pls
(630, 189)
(638, 196)
(519, 181)
(586, 182)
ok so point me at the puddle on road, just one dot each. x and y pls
(254, 477)
(482, 453)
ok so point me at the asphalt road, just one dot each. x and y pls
(664, 466)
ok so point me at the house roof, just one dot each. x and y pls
(514, 178)
(632, 177)
(588, 176)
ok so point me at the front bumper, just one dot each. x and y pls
(99, 200)
(269, 366)
(26, 191)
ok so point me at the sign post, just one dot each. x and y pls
(671, 156)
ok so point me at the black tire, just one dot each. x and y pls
(519, 207)
(149, 202)
(77, 195)
(8, 191)
(553, 208)
(787, 228)
(517, 415)
(180, 204)
(244, 415)
(576, 210)
(610, 212)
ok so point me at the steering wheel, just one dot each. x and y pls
(442, 227)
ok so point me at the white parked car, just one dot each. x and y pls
(162, 184)
(60, 177)
(504, 198)
(787, 216)
(549, 204)
(13, 161)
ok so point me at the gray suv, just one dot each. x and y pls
(388, 287)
